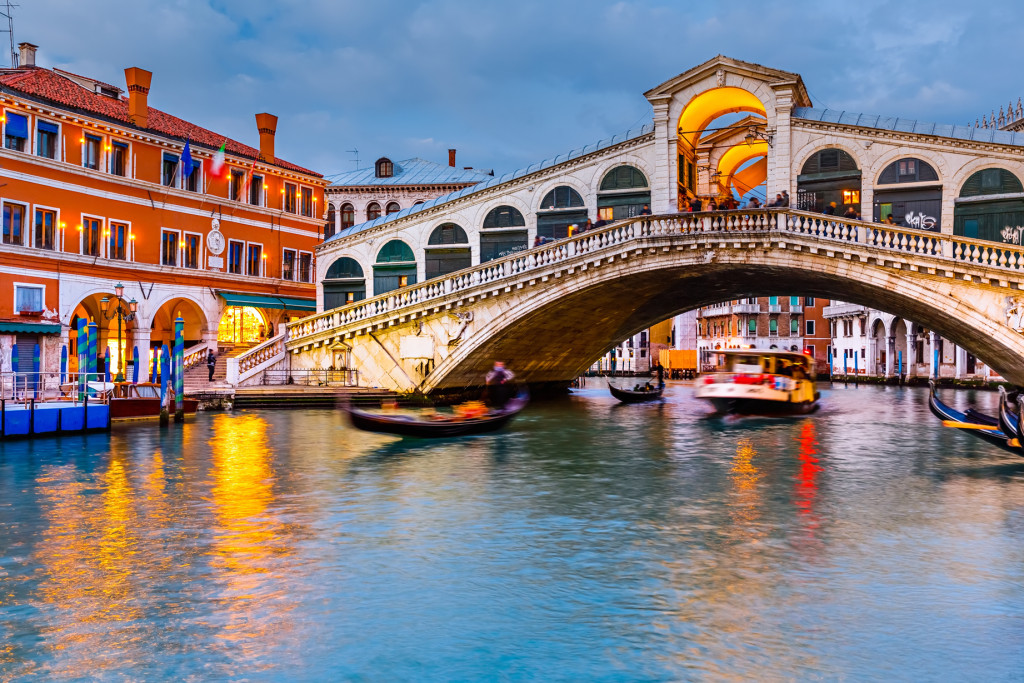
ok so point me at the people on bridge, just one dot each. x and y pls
(499, 385)
(696, 203)
(830, 210)
(712, 205)
(754, 203)
(646, 211)
(785, 198)
(851, 213)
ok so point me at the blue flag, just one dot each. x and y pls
(187, 165)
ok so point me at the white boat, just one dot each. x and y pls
(752, 382)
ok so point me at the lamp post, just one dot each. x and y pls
(124, 311)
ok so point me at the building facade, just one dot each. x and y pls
(98, 191)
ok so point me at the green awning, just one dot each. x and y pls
(29, 328)
(284, 303)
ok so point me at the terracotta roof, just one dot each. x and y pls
(46, 85)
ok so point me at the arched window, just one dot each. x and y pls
(829, 161)
(329, 225)
(393, 207)
(348, 216)
(623, 178)
(562, 197)
(395, 267)
(447, 233)
(991, 181)
(395, 251)
(504, 217)
(907, 170)
(344, 268)
(372, 211)
(829, 176)
(344, 283)
(384, 168)
(418, 202)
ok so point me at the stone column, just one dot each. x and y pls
(911, 355)
(935, 369)
(872, 359)
(960, 354)
(890, 358)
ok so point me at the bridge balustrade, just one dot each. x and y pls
(778, 221)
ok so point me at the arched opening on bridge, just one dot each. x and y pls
(344, 283)
(623, 193)
(697, 140)
(503, 233)
(447, 250)
(985, 211)
(744, 168)
(914, 207)
(395, 267)
(560, 208)
(830, 175)
(239, 326)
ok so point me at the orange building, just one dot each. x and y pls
(95, 192)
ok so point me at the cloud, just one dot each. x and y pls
(508, 84)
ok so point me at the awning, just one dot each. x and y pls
(284, 303)
(7, 327)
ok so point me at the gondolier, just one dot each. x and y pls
(499, 385)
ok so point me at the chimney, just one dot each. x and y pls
(451, 158)
(267, 125)
(27, 54)
(138, 95)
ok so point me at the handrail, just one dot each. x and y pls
(796, 222)
(194, 355)
(248, 364)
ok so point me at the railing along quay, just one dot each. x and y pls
(775, 223)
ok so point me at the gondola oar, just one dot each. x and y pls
(969, 425)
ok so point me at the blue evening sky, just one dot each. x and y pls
(511, 83)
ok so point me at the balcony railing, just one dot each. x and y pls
(775, 308)
(746, 308)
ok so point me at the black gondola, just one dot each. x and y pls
(1009, 420)
(631, 396)
(995, 437)
(408, 425)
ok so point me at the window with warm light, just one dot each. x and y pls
(169, 248)
(46, 229)
(91, 152)
(91, 228)
(190, 250)
(14, 224)
(235, 250)
(288, 265)
(851, 196)
(306, 205)
(46, 139)
(254, 260)
(289, 198)
(236, 185)
(117, 241)
(305, 267)
(118, 158)
(16, 132)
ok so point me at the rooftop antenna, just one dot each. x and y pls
(356, 153)
(7, 12)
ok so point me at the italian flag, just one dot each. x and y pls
(217, 165)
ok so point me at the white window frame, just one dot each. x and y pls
(128, 170)
(263, 189)
(30, 124)
(58, 232)
(198, 162)
(27, 285)
(129, 243)
(295, 264)
(312, 202)
(176, 184)
(227, 258)
(81, 234)
(808, 328)
(177, 242)
(25, 239)
(298, 259)
(102, 161)
(263, 261)
(199, 249)
(241, 200)
(34, 144)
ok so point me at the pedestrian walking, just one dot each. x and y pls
(211, 363)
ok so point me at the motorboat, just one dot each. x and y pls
(436, 425)
(752, 382)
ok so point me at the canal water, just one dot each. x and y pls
(589, 541)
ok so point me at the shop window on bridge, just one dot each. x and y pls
(344, 283)
(395, 267)
(830, 175)
(503, 233)
(560, 208)
(624, 193)
(991, 207)
(914, 207)
(441, 261)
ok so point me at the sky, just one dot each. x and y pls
(508, 84)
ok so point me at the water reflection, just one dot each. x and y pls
(805, 494)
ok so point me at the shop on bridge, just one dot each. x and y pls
(344, 283)
(559, 209)
(395, 267)
(991, 207)
(624, 193)
(901, 193)
(447, 250)
(503, 233)
(830, 175)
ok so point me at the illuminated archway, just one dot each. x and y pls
(709, 105)
(241, 325)
(750, 177)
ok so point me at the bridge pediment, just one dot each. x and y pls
(720, 71)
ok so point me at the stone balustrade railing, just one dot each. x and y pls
(196, 355)
(827, 229)
(255, 360)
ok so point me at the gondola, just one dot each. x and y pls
(631, 396)
(995, 437)
(1009, 420)
(408, 425)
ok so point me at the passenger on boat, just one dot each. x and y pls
(499, 385)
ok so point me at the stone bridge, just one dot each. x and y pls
(552, 311)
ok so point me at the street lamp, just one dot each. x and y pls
(124, 311)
